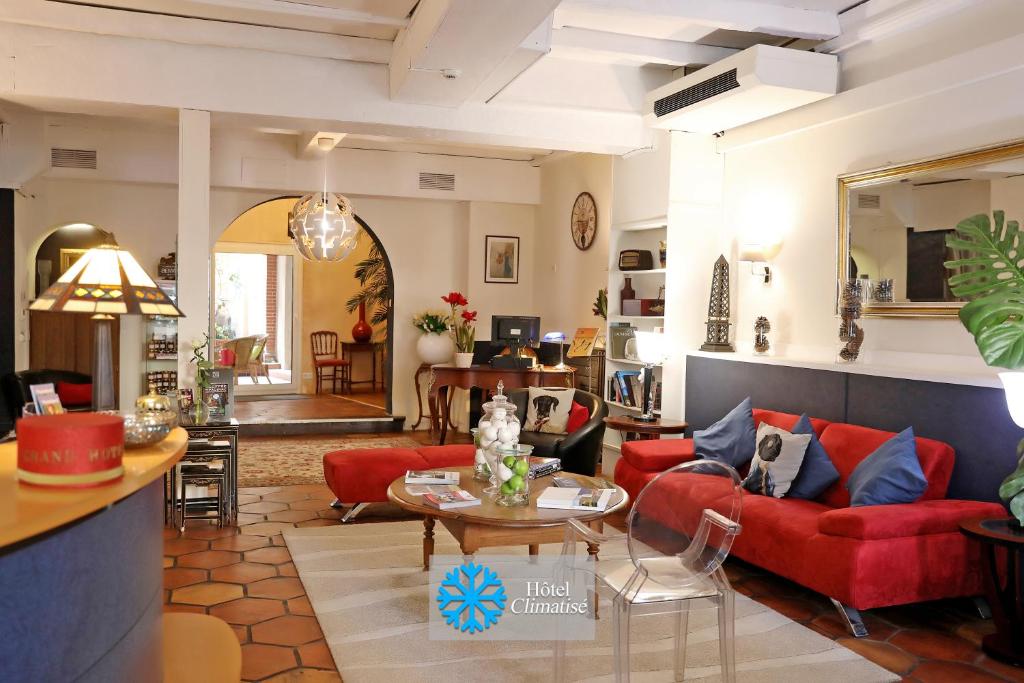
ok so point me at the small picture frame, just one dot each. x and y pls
(501, 259)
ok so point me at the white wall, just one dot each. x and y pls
(567, 279)
(491, 298)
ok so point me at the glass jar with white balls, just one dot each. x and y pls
(498, 428)
(481, 471)
(514, 475)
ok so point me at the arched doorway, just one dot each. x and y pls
(249, 294)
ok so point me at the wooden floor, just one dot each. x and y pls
(321, 407)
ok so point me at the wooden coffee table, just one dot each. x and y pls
(489, 524)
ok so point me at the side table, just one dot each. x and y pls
(200, 434)
(1004, 592)
(349, 349)
(626, 424)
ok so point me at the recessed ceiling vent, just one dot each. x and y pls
(716, 85)
(869, 201)
(61, 157)
(437, 181)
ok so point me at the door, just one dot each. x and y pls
(253, 314)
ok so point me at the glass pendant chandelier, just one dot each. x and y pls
(322, 225)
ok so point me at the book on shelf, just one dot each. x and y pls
(618, 335)
(431, 477)
(558, 498)
(45, 399)
(458, 498)
(583, 342)
(424, 489)
(542, 467)
(625, 389)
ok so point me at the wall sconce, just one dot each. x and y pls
(759, 256)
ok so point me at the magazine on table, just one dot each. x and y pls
(45, 399)
(424, 489)
(575, 498)
(457, 498)
(431, 477)
(541, 467)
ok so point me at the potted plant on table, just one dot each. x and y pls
(435, 345)
(465, 337)
(990, 274)
(203, 367)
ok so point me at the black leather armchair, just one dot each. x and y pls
(579, 451)
(15, 386)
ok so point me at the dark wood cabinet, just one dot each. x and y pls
(64, 341)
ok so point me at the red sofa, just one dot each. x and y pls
(361, 476)
(862, 557)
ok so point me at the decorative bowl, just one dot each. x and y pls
(147, 428)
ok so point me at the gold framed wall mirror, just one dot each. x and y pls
(893, 223)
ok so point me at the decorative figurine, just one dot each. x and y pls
(884, 291)
(761, 329)
(718, 324)
(850, 333)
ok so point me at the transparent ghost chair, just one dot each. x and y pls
(679, 532)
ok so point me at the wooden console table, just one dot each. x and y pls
(484, 377)
(349, 349)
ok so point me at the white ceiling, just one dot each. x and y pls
(380, 19)
(517, 63)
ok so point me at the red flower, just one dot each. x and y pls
(455, 299)
(469, 316)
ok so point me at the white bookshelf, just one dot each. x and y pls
(645, 235)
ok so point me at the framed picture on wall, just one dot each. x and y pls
(68, 258)
(501, 259)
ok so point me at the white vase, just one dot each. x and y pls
(435, 347)
(463, 360)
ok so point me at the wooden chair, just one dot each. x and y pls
(325, 356)
(257, 368)
(199, 648)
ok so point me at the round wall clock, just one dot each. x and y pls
(583, 222)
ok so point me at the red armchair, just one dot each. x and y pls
(861, 557)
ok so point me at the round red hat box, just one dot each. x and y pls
(74, 450)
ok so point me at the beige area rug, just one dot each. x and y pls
(282, 461)
(369, 592)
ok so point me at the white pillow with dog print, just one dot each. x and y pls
(548, 410)
(776, 462)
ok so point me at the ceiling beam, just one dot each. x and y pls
(736, 15)
(284, 8)
(580, 43)
(452, 48)
(74, 72)
(307, 144)
(114, 22)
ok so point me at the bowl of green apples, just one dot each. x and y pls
(513, 475)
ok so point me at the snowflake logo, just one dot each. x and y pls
(471, 598)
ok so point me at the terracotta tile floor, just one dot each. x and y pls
(244, 575)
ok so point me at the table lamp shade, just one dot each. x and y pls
(106, 280)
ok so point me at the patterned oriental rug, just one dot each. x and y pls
(367, 586)
(280, 461)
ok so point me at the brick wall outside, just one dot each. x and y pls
(271, 353)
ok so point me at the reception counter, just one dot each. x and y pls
(81, 573)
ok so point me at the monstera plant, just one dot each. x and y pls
(989, 273)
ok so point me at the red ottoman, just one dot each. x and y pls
(362, 476)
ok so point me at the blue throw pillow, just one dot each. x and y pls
(890, 475)
(731, 440)
(817, 472)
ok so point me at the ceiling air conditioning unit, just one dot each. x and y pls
(756, 83)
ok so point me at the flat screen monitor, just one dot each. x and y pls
(515, 330)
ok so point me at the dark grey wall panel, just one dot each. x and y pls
(83, 602)
(714, 387)
(973, 420)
